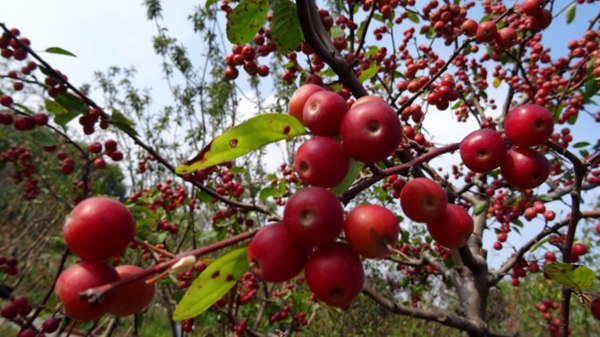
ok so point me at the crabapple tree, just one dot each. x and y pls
(436, 153)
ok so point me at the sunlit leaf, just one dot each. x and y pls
(576, 277)
(212, 284)
(244, 138)
(246, 19)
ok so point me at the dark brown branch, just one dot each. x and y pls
(366, 183)
(317, 36)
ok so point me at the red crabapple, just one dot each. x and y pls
(453, 228)
(423, 200)
(370, 230)
(525, 168)
(482, 150)
(99, 228)
(298, 100)
(321, 161)
(371, 131)
(80, 277)
(274, 255)
(134, 296)
(335, 274)
(314, 216)
(528, 125)
(323, 113)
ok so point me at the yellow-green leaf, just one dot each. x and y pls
(578, 278)
(244, 138)
(496, 83)
(212, 284)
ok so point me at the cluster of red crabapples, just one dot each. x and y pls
(98, 229)
(313, 217)
(522, 166)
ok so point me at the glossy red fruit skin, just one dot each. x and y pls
(453, 228)
(525, 168)
(423, 200)
(578, 249)
(506, 37)
(486, 31)
(482, 150)
(80, 277)
(314, 216)
(323, 113)
(528, 125)
(595, 308)
(134, 296)
(298, 100)
(274, 254)
(371, 131)
(99, 228)
(541, 21)
(469, 27)
(366, 99)
(321, 161)
(370, 230)
(532, 7)
(335, 274)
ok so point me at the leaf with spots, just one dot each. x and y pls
(246, 19)
(285, 27)
(576, 277)
(212, 284)
(244, 138)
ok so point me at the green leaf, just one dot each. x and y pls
(481, 207)
(252, 134)
(267, 192)
(210, 3)
(353, 171)
(246, 19)
(61, 115)
(42, 138)
(571, 11)
(368, 73)
(214, 282)
(285, 27)
(413, 17)
(57, 50)
(123, 123)
(538, 245)
(336, 32)
(578, 278)
(581, 144)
